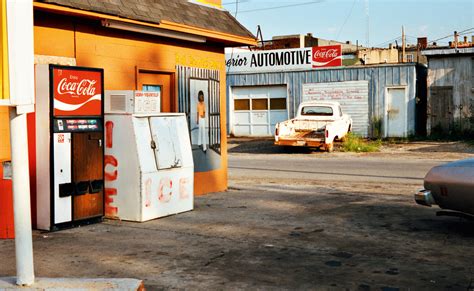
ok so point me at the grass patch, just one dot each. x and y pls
(355, 143)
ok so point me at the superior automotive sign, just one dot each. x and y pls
(284, 60)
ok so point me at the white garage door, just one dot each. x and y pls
(256, 110)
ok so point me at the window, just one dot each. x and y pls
(259, 104)
(317, 111)
(151, 88)
(409, 58)
(277, 103)
(241, 104)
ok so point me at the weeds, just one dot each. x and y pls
(355, 143)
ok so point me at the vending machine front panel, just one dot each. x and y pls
(63, 188)
(77, 125)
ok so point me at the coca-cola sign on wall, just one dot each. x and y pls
(77, 92)
(327, 56)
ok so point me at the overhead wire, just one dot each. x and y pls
(235, 15)
(450, 35)
(282, 6)
(389, 41)
(347, 18)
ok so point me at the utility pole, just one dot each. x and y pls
(17, 92)
(21, 198)
(403, 44)
(367, 31)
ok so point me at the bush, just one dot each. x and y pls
(355, 143)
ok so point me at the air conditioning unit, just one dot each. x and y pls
(132, 102)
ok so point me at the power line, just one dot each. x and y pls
(345, 20)
(283, 6)
(234, 2)
(389, 41)
(450, 35)
(236, 8)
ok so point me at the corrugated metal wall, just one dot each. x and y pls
(379, 78)
(455, 72)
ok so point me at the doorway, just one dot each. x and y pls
(396, 113)
(162, 82)
(442, 109)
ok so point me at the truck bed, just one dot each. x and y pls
(303, 138)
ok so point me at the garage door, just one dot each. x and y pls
(256, 110)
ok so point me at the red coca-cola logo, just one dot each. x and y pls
(84, 87)
(327, 56)
(78, 92)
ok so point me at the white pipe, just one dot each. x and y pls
(21, 199)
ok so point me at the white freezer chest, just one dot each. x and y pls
(149, 170)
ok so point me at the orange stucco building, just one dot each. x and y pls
(162, 44)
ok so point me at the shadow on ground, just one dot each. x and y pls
(440, 147)
(265, 146)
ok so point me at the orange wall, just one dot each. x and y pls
(121, 53)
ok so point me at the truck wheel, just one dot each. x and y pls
(330, 148)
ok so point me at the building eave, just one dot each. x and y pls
(216, 36)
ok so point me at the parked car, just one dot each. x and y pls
(317, 124)
(450, 186)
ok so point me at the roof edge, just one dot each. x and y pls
(448, 51)
(214, 35)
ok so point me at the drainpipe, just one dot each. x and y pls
(21, 198)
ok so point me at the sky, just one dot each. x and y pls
(346, 20)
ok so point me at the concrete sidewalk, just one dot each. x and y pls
(49, 284)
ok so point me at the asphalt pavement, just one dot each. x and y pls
(324, 168)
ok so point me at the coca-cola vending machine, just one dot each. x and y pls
(69, 151)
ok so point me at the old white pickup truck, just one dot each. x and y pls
(317, 124)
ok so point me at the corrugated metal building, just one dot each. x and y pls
(257, 101)
(451, 90)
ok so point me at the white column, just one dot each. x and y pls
(21, 199)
